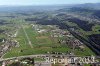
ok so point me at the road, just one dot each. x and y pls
(34, 56)
(41, 56)
(41, 63)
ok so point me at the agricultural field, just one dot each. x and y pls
(31, 42)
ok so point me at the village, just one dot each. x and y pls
(63, 36)
(49, 33)
(8, 43)
(62, 40)
(59, 39)
(51, 60)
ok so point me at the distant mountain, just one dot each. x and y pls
(30, 8)
(48, 7)
(84, 9)
(89, 5)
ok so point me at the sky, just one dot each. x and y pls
(45, 2)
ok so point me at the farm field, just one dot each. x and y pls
(31, 42)
(39, 43)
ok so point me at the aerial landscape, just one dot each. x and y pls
(46, 34)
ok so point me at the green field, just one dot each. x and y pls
(41, 43)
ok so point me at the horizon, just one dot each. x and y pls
(43, 2)
(46, 5)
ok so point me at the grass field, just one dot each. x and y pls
(42, 43)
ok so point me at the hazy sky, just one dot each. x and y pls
(44, 2)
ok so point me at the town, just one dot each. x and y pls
(49, 38)
(49, 35)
